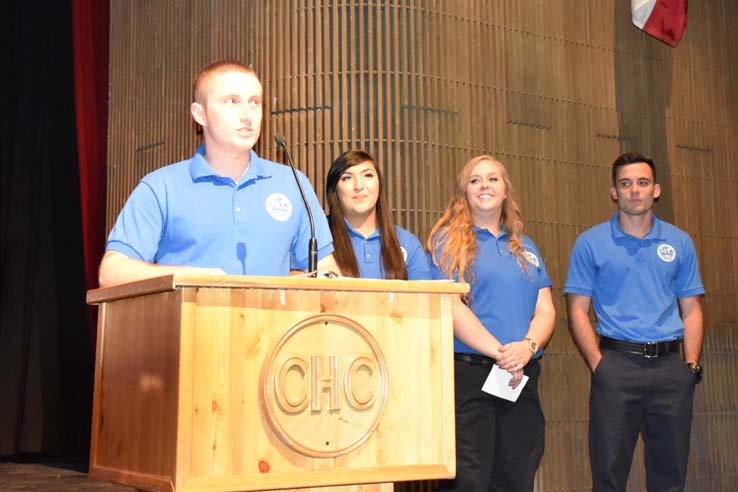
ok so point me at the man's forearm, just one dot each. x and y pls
(582, 331)
(694, 330)
(116, 268)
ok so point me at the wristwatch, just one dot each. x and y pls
(696, 369)
(532, 345)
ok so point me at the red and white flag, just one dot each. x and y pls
(665, 20)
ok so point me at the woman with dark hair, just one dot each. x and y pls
(366, 243)
(506, 319)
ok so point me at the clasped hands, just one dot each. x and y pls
(513, 357)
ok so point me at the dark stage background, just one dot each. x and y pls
(52, 188)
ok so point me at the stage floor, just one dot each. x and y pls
(70, 475)
(60, 476)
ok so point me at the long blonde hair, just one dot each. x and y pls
(453, 242)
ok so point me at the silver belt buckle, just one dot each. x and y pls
(651, 350)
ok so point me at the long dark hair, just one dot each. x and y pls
(343, 252)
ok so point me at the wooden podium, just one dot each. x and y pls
(232, 383)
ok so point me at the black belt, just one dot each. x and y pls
(649, 349)
(474, 359)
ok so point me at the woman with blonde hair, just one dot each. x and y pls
(506, 319)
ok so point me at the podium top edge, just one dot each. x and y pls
(172, 282)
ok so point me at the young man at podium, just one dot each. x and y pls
(224, 210)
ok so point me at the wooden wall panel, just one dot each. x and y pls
(556, 89)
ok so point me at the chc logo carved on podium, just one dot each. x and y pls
(324, 386)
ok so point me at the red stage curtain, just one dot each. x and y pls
(91, 20)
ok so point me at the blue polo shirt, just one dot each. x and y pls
(368, 251)
(503, 296)
(635, 283)
(187, 214)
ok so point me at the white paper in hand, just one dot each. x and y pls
(497, 384)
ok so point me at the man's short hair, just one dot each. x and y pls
(199, 93)
(631, 158)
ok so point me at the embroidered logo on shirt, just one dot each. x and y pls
(532, 259)
(404, 253)
(666, 252)
(279, 206)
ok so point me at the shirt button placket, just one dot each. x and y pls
(237, 215)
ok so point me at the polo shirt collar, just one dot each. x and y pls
(356, 233)
(258, 169)
(617, 231)
(200, 168)
(477, 229)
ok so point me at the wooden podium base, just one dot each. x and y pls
(369, 487)
(245, 384)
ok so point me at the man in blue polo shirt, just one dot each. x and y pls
(639, 273)
(225, 210)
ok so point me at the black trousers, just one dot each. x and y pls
(631, 394)
(499, 444)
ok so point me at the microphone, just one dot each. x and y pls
(313, 244)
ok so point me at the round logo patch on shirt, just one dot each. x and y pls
(666, 252)
(532, 259)
(279, 206)
(404, 253)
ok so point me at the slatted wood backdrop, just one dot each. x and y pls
(556, 89)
